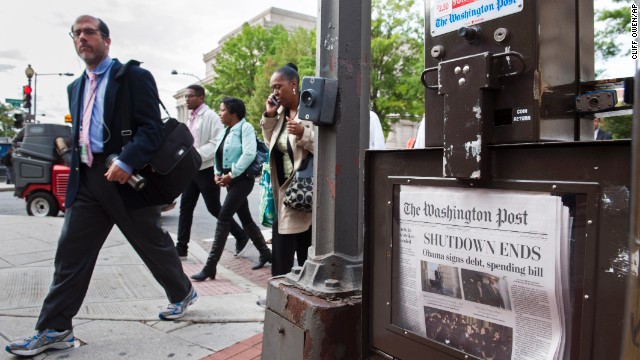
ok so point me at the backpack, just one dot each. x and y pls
(255, 168)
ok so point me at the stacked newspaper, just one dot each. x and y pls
(483, 271)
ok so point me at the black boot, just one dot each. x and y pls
(258, 241)
(241, 237)
(220, 239)
(240, 244)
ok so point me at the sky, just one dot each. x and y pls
(163, 34)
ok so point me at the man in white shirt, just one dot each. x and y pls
(420, 141)
(205, 125)
(376, 136)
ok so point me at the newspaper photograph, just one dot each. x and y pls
(478, 270)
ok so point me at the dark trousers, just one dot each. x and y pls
(236, 201)
(87, 224)
(284, 246)
(203, 184)
(9, 174)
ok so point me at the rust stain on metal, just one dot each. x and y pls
(295, 309)
(332, 187)
(341, 323)
(307, 351)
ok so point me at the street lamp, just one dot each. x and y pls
(35, 87)
(175, 72)
(29, 72)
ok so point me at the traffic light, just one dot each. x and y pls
(17, 123)
(26, 92)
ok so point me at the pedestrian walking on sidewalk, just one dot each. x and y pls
(7, 161)
(236, 151)
(99, 198)
(206, 129)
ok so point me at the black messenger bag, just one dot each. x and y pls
(173, 167)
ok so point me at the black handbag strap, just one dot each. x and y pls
(126, 120)
(305, 162)
(163, 108)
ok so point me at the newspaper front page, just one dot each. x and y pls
(477, 270)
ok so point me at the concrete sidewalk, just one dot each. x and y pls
(4, 186)
(119, 317)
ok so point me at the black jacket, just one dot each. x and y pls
(6, 159)
(131, 92)
(603, 135)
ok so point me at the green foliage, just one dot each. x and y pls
(298, 48)
(397, 59)
(619, 126)
(246, 62)
(6, 121)
(617, 21)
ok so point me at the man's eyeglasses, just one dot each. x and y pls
(189, 96)
(75, 34)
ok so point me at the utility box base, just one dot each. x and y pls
(301, 326)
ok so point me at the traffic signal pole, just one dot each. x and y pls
(35, 99)
(29, 72)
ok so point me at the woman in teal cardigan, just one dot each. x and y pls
(236, 151)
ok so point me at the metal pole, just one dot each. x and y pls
(35, 96)
(334, 265)
(304, 321)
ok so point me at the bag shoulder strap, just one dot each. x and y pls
(126, 121)
(260, 145)
(126, 88)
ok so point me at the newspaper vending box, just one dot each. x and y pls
(505, 238)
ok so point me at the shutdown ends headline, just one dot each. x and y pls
(447, 247)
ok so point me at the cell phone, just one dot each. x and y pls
(274, 101)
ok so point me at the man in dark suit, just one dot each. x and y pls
(97, 197)
(474, 292)
(599, 134)
(491, 294)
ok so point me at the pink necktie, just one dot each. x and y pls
(86, 116)
(192, 128)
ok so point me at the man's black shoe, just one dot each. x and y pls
(182, 253)
(262, 302)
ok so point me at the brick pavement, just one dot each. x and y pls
(239, 265)
(251, 348)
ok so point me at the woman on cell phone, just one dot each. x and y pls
(290, 142)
